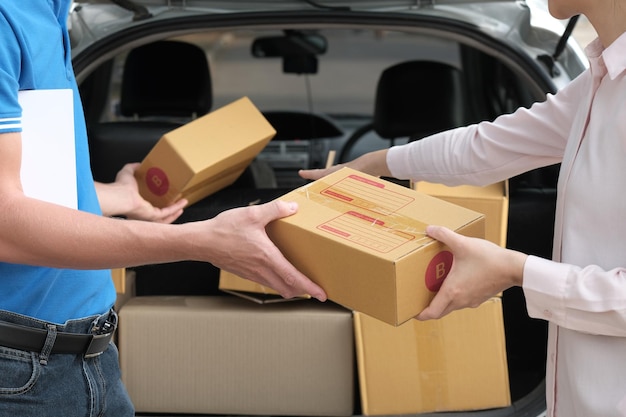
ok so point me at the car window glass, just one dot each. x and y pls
(344, 85)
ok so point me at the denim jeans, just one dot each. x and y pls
(35, 384)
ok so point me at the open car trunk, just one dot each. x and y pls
(320, 101)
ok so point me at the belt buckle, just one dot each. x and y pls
(102, 337)
(97, 345)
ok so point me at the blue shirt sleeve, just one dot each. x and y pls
(10, 110)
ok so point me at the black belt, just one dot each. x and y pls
(20, 337)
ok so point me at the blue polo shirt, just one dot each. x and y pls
(35, 54)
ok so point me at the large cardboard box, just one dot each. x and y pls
(457, 363)
(363, 240)
(225, 355)
(491, 200)
(205, 155)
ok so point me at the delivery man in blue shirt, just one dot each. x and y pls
(56, 292)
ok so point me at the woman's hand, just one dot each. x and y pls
(480, 270)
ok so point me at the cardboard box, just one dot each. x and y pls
(491, 200)
(363, 240)
(457, 363)
(250, 290)
(118, 276)
(205, 155)
(225, 355)
(125, 286)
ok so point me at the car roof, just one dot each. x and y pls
(100, 28)
(244, 4)
(108, 15)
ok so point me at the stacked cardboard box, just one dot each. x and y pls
(456, 363)
(226, 355)
(491, 200)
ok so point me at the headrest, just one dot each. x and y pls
(418, 98)
(166, 78)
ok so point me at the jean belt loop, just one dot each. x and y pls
(47, 347)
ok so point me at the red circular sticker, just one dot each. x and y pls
(157, 181)
(438, 270)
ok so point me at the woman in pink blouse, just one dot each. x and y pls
(582, 290)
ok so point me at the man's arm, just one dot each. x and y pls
(39, 233)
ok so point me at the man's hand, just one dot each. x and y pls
(122, 198)
(242, 246)
(234, 240)
(480, 270)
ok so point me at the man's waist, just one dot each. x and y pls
(34, 339)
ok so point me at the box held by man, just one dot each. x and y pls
(363, 240)
(205, 155)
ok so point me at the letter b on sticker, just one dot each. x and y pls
(157, 182)
(438, 270)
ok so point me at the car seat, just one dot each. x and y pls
(414, 99)
(165, 84)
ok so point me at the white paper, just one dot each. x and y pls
(48, 170)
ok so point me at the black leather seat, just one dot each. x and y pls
(414, 99)
(418, 98)
(165, 84)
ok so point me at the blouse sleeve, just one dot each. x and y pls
(586, 299)
(488, 152)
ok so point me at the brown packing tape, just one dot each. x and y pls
(432, 364)
(385, 227)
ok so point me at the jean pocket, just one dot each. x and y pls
(19, 371)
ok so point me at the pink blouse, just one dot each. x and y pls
(582, 292)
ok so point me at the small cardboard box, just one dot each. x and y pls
(205, 155)
(457, 363)
(362, 239)
(227, 356)
(491, 200)
(250, 290)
